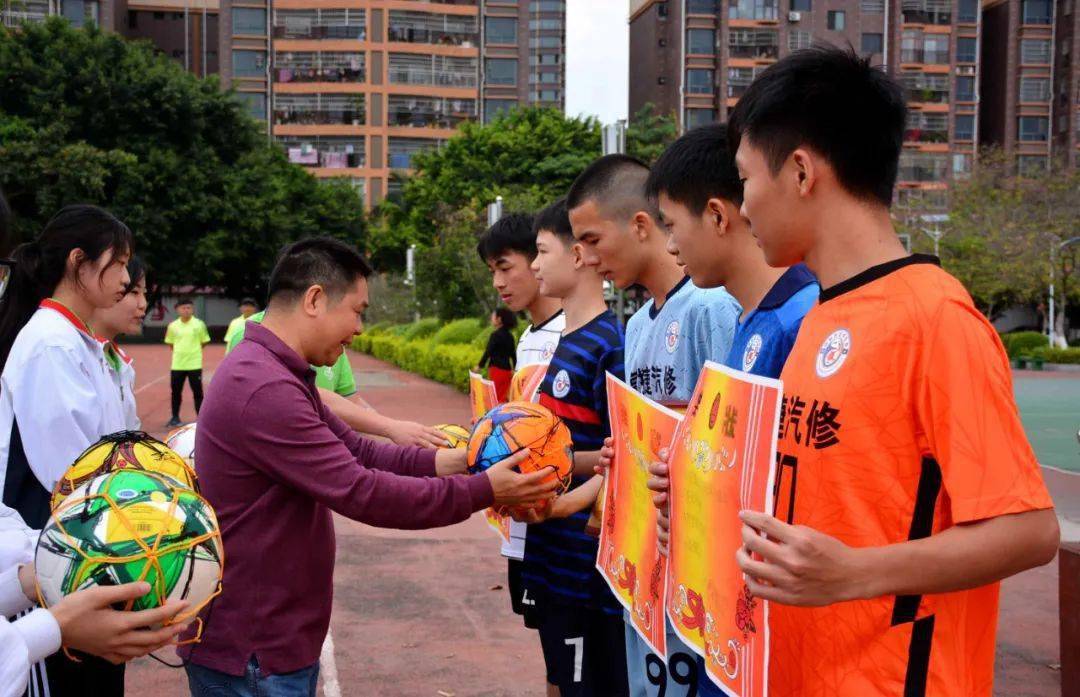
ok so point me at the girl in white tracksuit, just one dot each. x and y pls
(58, 394)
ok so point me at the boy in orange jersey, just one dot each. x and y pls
(906, 489)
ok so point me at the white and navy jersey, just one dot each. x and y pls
(537, 343)
(667, 347)
(58, 396)
(534, 351)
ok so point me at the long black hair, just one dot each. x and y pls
(40, 265)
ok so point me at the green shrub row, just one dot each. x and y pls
(1057, 355)
(1023, 343)
(444, 353)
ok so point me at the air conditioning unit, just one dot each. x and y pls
(794, 16)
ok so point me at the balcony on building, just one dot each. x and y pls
(15, 14)
(1036, 12)
(753, 9)
(429, 112)
(1034, 89)
(327, 152)
(320, 24)
(916, 166)
(319, 109)
(927, 127)
(739, 79)
(432, 28)
(400, 151)
(701, 42)
(758, 44)
(926, 49)
(926, 88)
(699, 81)
(437, 71)
(926, 12)
(319, 66)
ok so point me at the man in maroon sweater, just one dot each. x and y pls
(275, 463)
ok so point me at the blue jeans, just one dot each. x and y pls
(205, 682)
(649, 677)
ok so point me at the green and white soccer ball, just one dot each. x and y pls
(131, 525)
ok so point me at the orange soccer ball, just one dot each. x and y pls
(515, 426)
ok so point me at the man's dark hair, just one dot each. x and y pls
(316, 261)
(616, 183)
(832, 101)
(184, 301)
(696, 167)
(511, 233)
(555, 220)
(507, 317)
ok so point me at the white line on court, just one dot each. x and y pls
(328, 668)
(152, 383)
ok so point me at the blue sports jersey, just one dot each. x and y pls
(764, 339)
(560, 557)
(666, 347)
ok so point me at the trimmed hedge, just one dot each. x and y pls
(1023, 343)
(460, 331)
(421, 329)
(1057, 355)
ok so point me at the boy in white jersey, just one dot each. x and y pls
(667, 341)
(508, 248)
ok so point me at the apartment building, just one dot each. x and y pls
(694, 58)
(1030, 80)
(524, 55)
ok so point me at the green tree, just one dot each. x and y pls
(649, 133)
(90, 117)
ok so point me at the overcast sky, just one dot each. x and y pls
(597, 54)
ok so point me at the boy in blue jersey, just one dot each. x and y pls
(697, 187)
(668, 341)
(581, 625)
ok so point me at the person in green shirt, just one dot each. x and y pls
(337, 385)
(248, 307)
(186, 335)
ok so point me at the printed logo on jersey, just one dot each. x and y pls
(753, 350)
(560, 387)
(548, 351)
(671, 336)
(833, 353)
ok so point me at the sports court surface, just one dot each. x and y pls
(426, 613)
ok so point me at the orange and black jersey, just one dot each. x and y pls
(898, 422)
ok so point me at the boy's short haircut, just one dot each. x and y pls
(511, 233)
(555, 220)
(316, 261)
(833, 102)
(616, 183)
(695, 168)
(183, 301)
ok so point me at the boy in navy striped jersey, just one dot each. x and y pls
(581, 625)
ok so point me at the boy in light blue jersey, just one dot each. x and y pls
(698, 191)
(667, 343)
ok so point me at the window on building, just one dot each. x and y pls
(699, 81)
(926, 127)
(442, 71)
(926, 11)
(965, 88)
(700, 7)
(872, 43)
(916, 166)
(1036, 11)
(936, 49)
(662, 10)
(699, 117)
(932, 88)
(968, 11)
(249, 21)
(1034, 128)
(500, 30)
(1035, 51)
(752, 9)
(961, 165)
(836, 20)
(967, 49)
(799, 39)
(701, 41)
(494, 107)
(249, 64)
(1032, 165)
(964, 127)
(876, 7)
(545, 24)
(739, 79)
(254, 102)
(801, 5)
(753, 43)
(1034, 89)
(133, 19)
(78, 12)
(500, 71)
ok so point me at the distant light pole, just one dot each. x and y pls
(1051, 328)
(934, 232)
